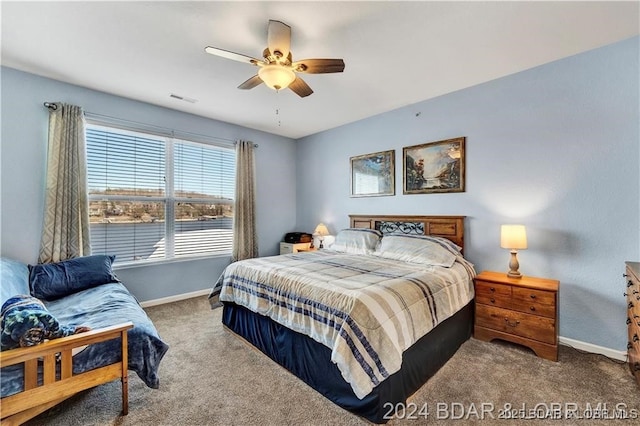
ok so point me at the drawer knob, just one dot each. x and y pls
(629, 283)
(635, 337)
(629, 345)
(512, 324)
(628, 320)
(630, 305)
(492, 300)
(533, 308)
(533, 296)
(491, 289)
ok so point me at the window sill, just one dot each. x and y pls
(146, 263)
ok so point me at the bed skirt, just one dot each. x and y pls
(311, 361)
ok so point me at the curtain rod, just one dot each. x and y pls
(53, 106)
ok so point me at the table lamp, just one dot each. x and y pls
(321, 232)
(514, 238)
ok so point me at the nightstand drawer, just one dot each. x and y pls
(287, 248)
(493, 294)
(525, 325)
(634, 364)
(535, 302)
(634, 345)
(633, 333)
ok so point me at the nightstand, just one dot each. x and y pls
(519, 310)
(308, 249)
(286, 248)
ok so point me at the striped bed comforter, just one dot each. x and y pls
(366, 309)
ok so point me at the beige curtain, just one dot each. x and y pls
(65, 232)
(245, 240)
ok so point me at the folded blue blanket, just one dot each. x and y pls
(98, 307)
(25, 321)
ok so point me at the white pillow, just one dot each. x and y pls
(448, 244)
(417, 249)
(357, 241)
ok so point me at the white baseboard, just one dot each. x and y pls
(175, 298)
(589, 347)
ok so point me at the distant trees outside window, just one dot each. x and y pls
(154, 198)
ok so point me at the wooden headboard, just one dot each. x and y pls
(449, 227)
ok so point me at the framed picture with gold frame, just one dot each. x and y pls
(372, 175)
(434, 167)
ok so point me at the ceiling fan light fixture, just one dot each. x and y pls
(276, 77)
(277, 70)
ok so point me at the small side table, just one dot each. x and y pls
(519, 310)
(286, 248)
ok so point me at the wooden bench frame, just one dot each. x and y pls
(35, 399)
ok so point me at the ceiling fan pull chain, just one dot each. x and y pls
(278, 108)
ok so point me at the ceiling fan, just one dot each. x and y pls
(277, 70)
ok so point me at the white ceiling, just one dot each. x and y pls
(396, 53)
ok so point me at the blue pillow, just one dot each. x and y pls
(50, 281)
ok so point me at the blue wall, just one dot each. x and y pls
(24, 150)
(555, 148)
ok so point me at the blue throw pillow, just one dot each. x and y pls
(50, 281)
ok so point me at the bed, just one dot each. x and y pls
(367, 322)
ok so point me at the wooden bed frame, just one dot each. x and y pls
(37, 398)
(449, 227)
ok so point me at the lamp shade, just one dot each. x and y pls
(513, 237)
(321, 230)
(276, 76)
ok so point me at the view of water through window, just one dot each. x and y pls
(154, 198)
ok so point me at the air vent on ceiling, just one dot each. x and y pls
(182, 98)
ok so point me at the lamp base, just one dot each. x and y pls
(514, 265)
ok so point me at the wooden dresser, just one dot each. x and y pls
(522, 310)
(633, 317)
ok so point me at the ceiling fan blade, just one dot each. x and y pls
(231, 55)
(279, 38)
(251, 83)
(318, 66)
(301, 88)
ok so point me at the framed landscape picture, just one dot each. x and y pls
(434, 167)
(373, 174)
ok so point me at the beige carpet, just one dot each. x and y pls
(211, 377)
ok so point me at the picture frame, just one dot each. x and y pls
(373, 175)
(434, 167)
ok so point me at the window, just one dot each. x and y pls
(153, 197)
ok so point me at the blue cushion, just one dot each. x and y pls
(14, 279)
(51, 281)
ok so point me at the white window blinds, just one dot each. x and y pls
(154, 198)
